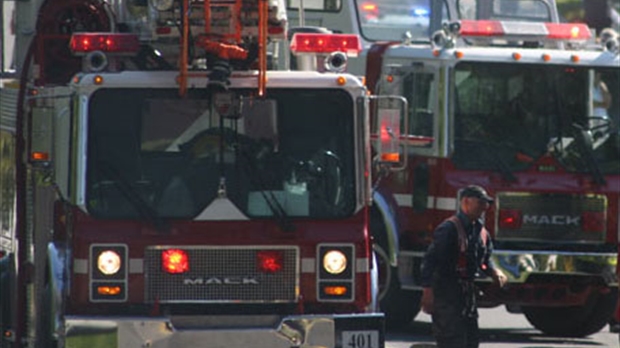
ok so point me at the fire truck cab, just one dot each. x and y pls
(162, 186)
(529, 111)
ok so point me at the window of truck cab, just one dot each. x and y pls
(418, 84)
(507, 116)
(151, 153)
(392, 20)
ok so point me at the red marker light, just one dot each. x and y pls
(269, 261)
(525, 30)
(104, 42)
(369, 7)
(326, 43)
(568, 31)
(174, 261)
(510, 218)
(593, 221)
(481, 28)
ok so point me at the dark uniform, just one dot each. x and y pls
(451, 272)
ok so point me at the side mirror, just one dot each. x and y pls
(41, 136)
(389, 118)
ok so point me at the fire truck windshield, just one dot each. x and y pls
(507, 116)
(521, 10)
(391, 19)
(148, 150)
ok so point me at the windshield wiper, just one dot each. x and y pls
(583, 138)
(129, 192)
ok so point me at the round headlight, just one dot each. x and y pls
(334, 262)
(109, 262)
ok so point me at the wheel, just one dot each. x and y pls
(399, 306)
(324, 172)
(574, 321)
(5, 299)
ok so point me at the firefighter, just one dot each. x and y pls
(461, 248)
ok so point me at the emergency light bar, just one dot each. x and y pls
(547, 31)
(83, 43)
(326, 43)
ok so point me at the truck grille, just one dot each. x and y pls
(561, 218)
(222, 275)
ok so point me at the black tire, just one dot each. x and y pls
(399, 306)
(5, 299)
(574, 321)
(45, 329)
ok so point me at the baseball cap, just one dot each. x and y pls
(476, 191)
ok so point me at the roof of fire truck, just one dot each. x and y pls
(239, 79)
(217, 36)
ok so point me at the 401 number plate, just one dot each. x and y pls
(360, 339)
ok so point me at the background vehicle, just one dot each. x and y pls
(510, 106)
(411, 20)
(161, 187)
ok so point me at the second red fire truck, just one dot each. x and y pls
(530, 111)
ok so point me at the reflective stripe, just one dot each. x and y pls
(439, 203)
(80, 266)
(307, 265)
(136, 265)
(446, 203)
(403, 200)
(362, 265)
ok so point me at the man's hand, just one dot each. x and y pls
(427, 300)
(499, 278)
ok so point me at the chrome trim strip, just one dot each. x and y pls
(520, 265)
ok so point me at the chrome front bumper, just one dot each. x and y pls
(519, 266)
(306, 331)
(550, 279)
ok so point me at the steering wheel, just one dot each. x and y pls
(323, 172)
(599, 124)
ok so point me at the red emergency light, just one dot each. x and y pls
(326, 43)
(174, 261)
(593, 221)
(269, 261)
(510, 219)
(82, 43)
(548, 31)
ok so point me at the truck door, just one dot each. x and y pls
(419, 85)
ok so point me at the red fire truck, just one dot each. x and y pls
(395, 20)
(160, 186)
(530, 111)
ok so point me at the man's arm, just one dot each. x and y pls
(488, 265)
(432, 259)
